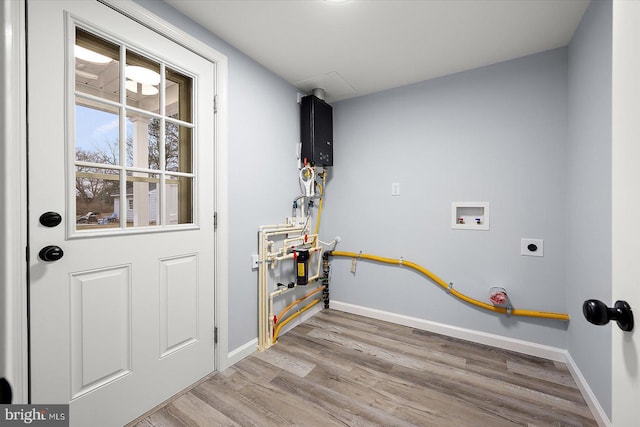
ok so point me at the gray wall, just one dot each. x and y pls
(263, 133)
(495, 134)
(589, 194)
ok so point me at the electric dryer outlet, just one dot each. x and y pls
(532, 247)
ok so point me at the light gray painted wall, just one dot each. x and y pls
(495, 134)
(589, 194)
(263, 132)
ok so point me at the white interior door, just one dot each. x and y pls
(121, 146)
(626, 207)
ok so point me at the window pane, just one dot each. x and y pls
(178, 95)
(178, 148)
(142, 82)
(154, 146)
(179, 205)
(96, 191)
(97, 133)
(143, 137)
(143, 199)
(97, 66)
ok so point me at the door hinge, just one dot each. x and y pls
(215, 104)
(215, 335)
(215, 220)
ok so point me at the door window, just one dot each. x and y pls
(133, 143)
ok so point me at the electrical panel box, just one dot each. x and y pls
(316, 131)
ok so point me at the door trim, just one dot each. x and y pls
(159, 25)
(13, 193)
(13, 227)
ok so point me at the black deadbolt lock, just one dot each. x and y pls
(51, 253)
(598, 313)
(50, 219)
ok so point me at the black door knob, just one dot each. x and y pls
(50, 219)
(51, 253)
(598, 313)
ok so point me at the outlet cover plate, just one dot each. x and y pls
(532, 247)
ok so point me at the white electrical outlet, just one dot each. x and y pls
(395, 188)
(254, 261)
(532, 247)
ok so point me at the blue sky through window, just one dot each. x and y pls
(97, 129)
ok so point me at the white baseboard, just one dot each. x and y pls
(250, 347)
(520, 346)
(241, 352)
(596, 409)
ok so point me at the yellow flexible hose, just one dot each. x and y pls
(287, 308)
(290, 318)
(442, 283)
(321, 191)
(319, 215)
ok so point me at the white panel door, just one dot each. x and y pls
(121, 146)
(626, 207)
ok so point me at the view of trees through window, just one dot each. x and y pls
(96, 187)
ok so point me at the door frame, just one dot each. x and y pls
(13, 193)
(14, 361)
(625, 154)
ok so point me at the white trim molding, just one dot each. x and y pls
(13, 197)
(251, 347)
(154, 22)
(245, 350)
(596, 409)
(520, 346)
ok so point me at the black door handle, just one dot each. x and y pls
(598, 313)
(50, 219)
(51, 253)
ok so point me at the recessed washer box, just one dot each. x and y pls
(470, 216)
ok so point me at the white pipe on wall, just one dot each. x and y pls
(264, 308)
(269, 257)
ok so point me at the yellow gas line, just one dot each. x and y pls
(290, 318)
(287, 308)
(449, 289)
(321, 191)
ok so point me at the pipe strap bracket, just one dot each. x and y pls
(450, 287)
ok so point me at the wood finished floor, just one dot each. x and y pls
(339, 369)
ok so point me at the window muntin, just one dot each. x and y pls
(133, 145)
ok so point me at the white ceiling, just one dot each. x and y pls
(365, 46)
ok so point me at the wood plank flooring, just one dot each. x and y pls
(338, 369)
